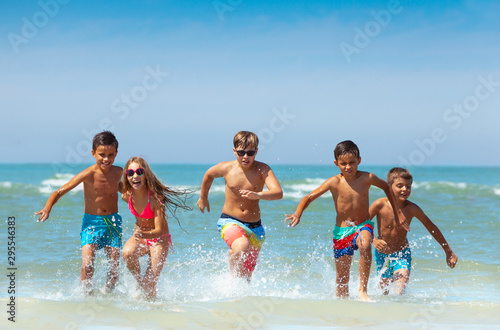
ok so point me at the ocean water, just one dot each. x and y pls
(293, 286)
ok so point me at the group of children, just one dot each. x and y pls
(240, 222)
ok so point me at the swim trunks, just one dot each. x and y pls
(387, 264)
(231, 229)
(102, 230)
(344, 238)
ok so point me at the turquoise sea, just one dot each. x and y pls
(293, 285)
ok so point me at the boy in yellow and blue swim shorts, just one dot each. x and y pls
(239, 224)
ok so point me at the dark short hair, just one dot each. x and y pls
(105, 138)
(346, 147)
(246, 139)
(398, 172)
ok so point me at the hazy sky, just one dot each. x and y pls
(415, 82)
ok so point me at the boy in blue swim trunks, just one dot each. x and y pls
(101, 223)
(392, 252)
(353, 227)
(240, 224)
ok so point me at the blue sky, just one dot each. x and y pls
(411, 82)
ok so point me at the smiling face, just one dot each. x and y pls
(348, 165)
(105, 157)
(401, 188)
(136, 181)
(245, 160)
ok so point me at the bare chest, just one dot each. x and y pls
(101, 186)
(246, 181)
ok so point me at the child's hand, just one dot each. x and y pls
(293, 218)
(380, 245)
(138, 234)
(451, 259)
(249, 194)
(202, 204)
(44, 215)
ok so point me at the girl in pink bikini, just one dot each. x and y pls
(148, 200)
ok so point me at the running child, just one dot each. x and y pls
(392, 251)
(353, 227)
(101, 223)
(240, 223)
(145, 193)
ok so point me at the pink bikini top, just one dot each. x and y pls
(146, 214)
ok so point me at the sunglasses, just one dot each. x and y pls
(139, 171)
(242, 153)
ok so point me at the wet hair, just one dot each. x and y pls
(346, 148)
(398, 172)
(105, 138)
(245, 139)
(169, 198)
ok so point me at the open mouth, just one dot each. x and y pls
(136, 183)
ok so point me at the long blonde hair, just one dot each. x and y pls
(169, 198)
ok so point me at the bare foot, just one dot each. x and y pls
(86, 287)
(363, 296)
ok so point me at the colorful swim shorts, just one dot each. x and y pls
(231, 229)
(102, 230)
(387, 264)
(344, 238)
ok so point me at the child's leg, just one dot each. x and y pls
(158, 255)
(132, 251)
(87, 271)
(400, 278)
(364, 241)
(343, 269)
(237, 255)
(239, 247)
(113, 255)
(384, 283)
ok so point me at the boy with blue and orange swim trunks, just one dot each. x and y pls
(392, 250)
(101, 223)
(240, 223)
(353, 227)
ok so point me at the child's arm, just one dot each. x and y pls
(54, 197)
(125, 196)
(216, 171)
(274, 191)
(451, 258)
(304, 203)
(374, 210)
(398, 214)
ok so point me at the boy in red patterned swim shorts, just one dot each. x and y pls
(353, 227)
